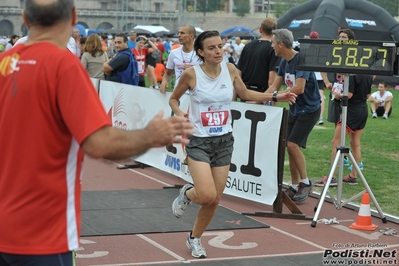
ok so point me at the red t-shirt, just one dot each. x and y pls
(140, 57)
(48, 107)
(161, 49)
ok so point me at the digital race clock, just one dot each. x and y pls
(348, 56)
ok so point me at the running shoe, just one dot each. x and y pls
(180, 203)
(196, 247)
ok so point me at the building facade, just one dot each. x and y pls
(126, 14)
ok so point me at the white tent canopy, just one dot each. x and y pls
(143, 29)
(198, 30)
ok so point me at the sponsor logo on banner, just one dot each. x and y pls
(118, 113)
(359, 23)
(297, 23)
(172, 162)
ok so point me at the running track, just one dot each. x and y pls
(286, 242)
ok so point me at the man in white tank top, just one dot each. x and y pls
(181, 58)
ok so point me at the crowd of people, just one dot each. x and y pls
(210, 68)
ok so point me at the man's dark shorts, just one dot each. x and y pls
(299, 127)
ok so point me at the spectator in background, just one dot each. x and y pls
(11, 42)
(175, 45)
(123, 66)
(159, 70)
(357, 113)
(141, 51)
(238, 46)
(226, 49)
(258, 61)
(82, 43)
(94, 57)
(167, 45)
(181, 58)
(337, 86)
(381, 101)
(76, 36)
(161, 48)
(131, 42)
(104, 44)
(151, 61)
(315, 35)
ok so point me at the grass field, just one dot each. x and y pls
(380, 154)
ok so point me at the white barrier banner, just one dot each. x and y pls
(256, 130)
(96, 83)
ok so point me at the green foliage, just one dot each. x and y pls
(241, 7)
(391, 6)
(379, 147)
(206, 5)
(282, 6)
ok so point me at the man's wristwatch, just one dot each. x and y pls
(274, 97)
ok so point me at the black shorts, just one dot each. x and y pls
(334, 111)
(321, 84)
(356, 118)
(381, 110)
(216, 151)
(150, 61)
(299, 127)
(141, 81)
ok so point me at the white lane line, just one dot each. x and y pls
(297, 238)
(164, 249)
(341, 221)
(147, 176)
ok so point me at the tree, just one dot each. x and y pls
(282, 6)
(391, 6)
(241, 7)
(206, 5)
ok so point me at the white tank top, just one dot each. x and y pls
(210, 103)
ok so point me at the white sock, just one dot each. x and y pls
(295, 186)
(305, 181)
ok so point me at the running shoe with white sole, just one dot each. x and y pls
(179, 205)
(196, 247)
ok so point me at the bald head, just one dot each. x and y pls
(190, 29)
(48, 12)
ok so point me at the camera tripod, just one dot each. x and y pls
(339, 159)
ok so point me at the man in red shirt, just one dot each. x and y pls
(49, 123)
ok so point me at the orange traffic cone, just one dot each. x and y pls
(363, 221)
